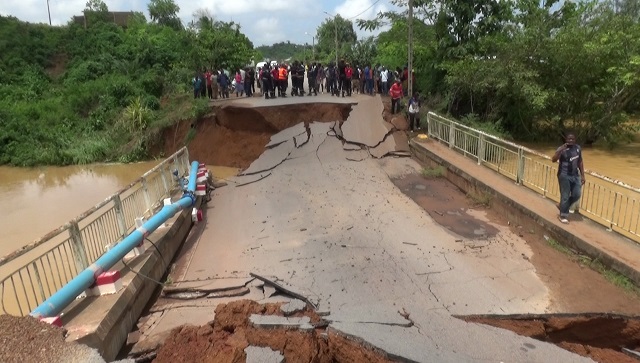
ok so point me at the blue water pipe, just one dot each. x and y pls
(63, 297)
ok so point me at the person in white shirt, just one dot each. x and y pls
(384, 80)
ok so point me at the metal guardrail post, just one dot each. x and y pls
(176, 165)
(546, 177)
(79, 252)
(122, 224)
(165, 183)
(480, 149)
(145, 193)
(520, 170)
(38, 281)
(613, 212)
(452, 134)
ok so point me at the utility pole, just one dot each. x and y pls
(313, 46)
(335, 22)
(410, 55)
(49, 12)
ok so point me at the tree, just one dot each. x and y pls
(222, 45)
(363, 52)
(328, 31)
(202, 19)
(165, 12)
(97, 6)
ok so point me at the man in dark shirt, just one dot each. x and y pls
(570, 163)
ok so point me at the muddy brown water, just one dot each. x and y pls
(37, 200)
(621, 163)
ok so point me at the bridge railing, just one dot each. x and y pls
(609, 202)
(33, 273)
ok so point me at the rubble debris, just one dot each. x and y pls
(274, 321)
(293, 307)
(283, 289)
(227, 337)
(262, 355)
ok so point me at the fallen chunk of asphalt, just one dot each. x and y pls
(274, 321)
(262, 355)
(283, 289)
(293, 307)
(269, 291)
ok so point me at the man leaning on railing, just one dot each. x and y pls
(569, 156)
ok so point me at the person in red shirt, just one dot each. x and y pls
(396, 94)
(348, 72)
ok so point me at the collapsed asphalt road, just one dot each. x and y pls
(374, 263)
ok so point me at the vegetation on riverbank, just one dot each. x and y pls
(516, 68)
(70, 95)
(523, 67)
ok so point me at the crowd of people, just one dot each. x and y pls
(339, 80)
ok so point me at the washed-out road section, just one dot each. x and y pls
(323, 218)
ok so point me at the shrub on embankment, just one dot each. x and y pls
(74, 95)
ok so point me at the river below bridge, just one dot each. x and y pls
(37, 200)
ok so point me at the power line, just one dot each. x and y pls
(365, 10)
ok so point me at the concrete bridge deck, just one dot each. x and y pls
(329, 223)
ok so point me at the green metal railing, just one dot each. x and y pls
(33, 273)
(609, 202)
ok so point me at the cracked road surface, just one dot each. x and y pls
(340, 233)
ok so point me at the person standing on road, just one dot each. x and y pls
(384, 80)
(247, 82)
(223, 81)
(396, 94)
(414, 109)
(312, 76)
(569, 157)
(348, 75)
(197, 85)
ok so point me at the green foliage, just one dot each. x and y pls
(434, 172)
(165, 12)
(280, 51)
(200, 108)
(524, 68)
(335, 33)
(136, 116)
(74, 95)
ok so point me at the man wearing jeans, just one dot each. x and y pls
(569, 156)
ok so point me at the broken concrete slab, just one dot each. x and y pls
(153, 335)
(210, 285)
(269, 291)
(270, 158)
(262, 355)
(285, 288)
(385, 148)
(286, 135)
(275, 321)
(293, 307)
(365, 124)
(302, 139)
(402, 141)
(320, 127)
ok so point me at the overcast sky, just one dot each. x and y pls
(263, 21)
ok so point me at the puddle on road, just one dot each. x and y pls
(446, 205)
